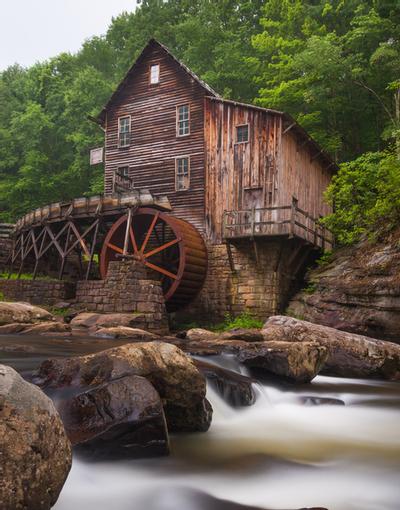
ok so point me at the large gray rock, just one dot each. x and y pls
(125, 332)
(35, 454)
(104, 320)
(298, 362)
(23, 313)
(349, 355)
(121, 418)
(357, 291)
(174, 375)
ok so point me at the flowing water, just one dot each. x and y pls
(334, 443)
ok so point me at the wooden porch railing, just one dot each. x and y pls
(286, 220)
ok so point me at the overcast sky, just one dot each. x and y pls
(34, 30)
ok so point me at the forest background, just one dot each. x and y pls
(334, 65)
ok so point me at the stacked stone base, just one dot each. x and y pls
(127, 288)
(5, 251)
(37, 292)
(260, 281)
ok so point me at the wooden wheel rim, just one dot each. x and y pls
(191, 250)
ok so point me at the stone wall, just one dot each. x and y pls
(258, 284)
(127, 288)
(5, 250)
(37, 292)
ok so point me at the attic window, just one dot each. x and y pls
(242, 133)
(154, 74)
(124, 131)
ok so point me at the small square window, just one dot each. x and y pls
(123, 171)
(242, 133)
(182, 174)
(154, 74)
(183, 120)
(124, 131)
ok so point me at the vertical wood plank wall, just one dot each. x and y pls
(267, 171)
(154, 144)
(303, 176)
(239, 175)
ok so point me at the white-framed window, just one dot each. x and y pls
(124, 131)
(154, 74)
(182, 173)
(123, 171)
(242, 133)
(183, 120)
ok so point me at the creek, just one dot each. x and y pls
(333, 443)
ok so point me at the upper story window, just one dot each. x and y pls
(182, 173)
(124, 131)
(242, 133)
(154, 74)
(183, 120)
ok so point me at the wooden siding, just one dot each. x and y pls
(154, 144)
(239, 175)
(303, 176)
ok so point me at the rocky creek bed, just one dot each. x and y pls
(330, 443)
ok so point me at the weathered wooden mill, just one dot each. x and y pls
(221, 200)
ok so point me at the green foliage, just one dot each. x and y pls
(24, 276)
(366, 196)
(311, 288)
(332, 64)
(325, 259)
(2, 298)
(244, 320)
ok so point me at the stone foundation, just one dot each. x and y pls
(127, 288)
(37, 292)
(259, 284)
(5, 250)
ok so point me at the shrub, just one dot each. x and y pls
(365, 194)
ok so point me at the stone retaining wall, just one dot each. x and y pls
(256, 286)
(5, 250)
(37, 292)
(127, 288)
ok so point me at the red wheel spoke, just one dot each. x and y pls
(153, 223)
(133, 240)
(161, 248)
(161, 270)
(115, 248)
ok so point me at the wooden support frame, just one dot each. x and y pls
(71, 236)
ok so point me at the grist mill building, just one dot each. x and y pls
(220, 200)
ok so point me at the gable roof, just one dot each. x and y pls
(151, 44)
(213, 95)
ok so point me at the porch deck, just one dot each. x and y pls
(287, 221)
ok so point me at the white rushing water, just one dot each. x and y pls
(279, 453)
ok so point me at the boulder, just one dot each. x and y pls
(23, 313)
(247, 335)
(199, 334)
(236, 389)
(357, 290)
(125, 332)
(174, 375)
(349, 355)
(12, 329)
(35, 452)
(117, 419)
(297, 362)
(104, 320)
(44, 328)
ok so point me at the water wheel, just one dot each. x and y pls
(171, 247)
